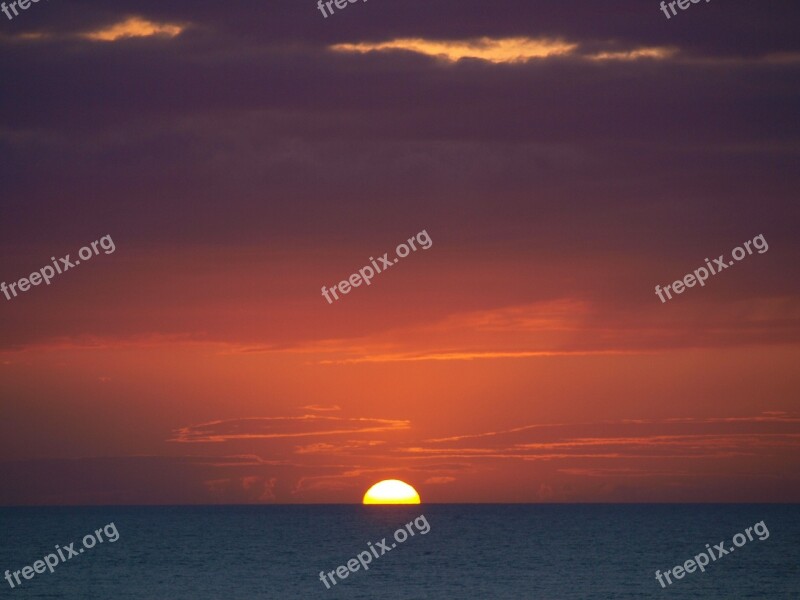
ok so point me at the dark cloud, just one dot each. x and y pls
(247, 130)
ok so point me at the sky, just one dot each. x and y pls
(563, 158)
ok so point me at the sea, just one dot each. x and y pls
(470, 551)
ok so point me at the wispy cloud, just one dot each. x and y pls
(675, 437)
(254, 428)
(655, 53)
(439, 480)
(133, 27)
(502, 50)
(438, 356)
(346, 447)
(621, 472)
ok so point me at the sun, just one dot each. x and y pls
(391, 491)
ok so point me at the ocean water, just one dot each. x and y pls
(494, 552)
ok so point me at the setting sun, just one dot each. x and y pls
(391, 491)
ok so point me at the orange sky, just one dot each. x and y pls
(468, 396)
(563, 157)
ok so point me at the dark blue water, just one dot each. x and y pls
(496, 552)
